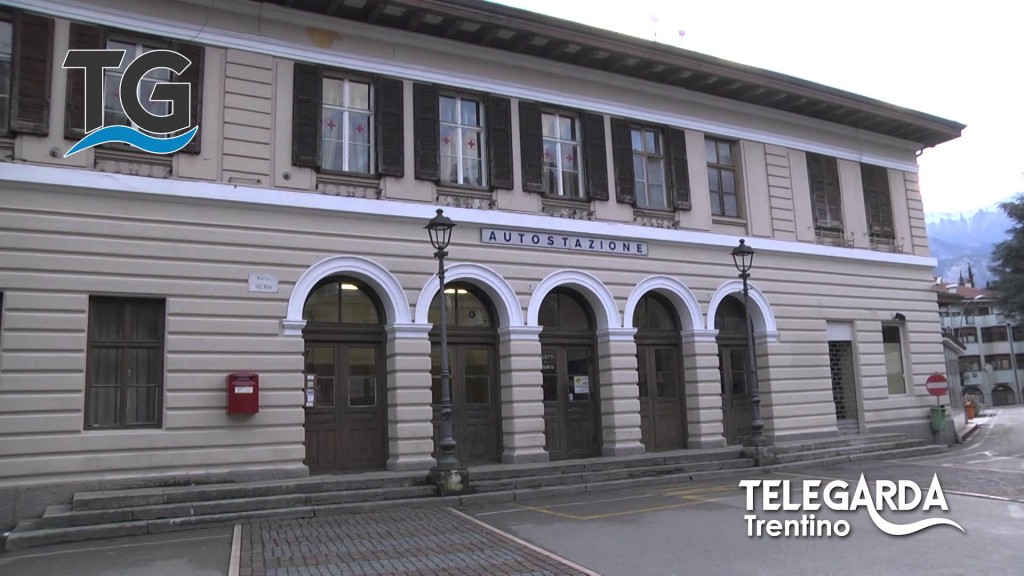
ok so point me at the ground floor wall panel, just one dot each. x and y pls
(62, 246)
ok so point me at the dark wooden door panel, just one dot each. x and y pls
(347, 427)
(571, 405)
(476, 421)
(553, 434)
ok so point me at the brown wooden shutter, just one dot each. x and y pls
(81, 37)
(426, 131)
(531, 146)
(307, 94)
(30, 88)
(676, 140)
(499, 141)
(825, 197)
(595, 156)
(390, 134)
(193, 75)
(622, 159)
(877, 200)
(834, 197)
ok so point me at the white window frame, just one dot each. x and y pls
(560, 181)
(458, 127)
(141, 47)
(647, 157)
(345, 114)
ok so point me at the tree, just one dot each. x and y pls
(1008, 261)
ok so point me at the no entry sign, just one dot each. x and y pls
(936, 385)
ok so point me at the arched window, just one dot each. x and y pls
(653, 312)
(341, 301)
(466, 308)
(564, 311)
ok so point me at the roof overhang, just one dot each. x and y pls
(514, 30)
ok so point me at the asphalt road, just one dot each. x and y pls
(689, 528)
(699, 528)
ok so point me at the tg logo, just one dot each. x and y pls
(178, 94)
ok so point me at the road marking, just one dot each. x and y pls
(521, 509)
(111, 547)
(522, 542)
(568, 516)
(236, 550)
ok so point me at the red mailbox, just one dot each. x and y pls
(243, 393)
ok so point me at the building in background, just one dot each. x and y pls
(598, 182)
(992, 365)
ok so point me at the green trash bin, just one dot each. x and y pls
(938, 419)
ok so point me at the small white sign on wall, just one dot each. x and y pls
(262, 283)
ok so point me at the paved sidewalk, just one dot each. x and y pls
(399, 541)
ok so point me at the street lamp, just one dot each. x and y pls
(440, 230)
(743, 258)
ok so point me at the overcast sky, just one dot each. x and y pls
(963, 61)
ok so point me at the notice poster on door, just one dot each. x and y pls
(581, 384)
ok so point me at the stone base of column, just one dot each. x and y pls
(450, 482)
(524, 455)
(410, 463)
(622, 448)
(712, 440)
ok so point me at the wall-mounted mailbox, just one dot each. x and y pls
(243, 393)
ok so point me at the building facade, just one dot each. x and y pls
(598, 183)
(992, 365)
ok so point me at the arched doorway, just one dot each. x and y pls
(572, 410)
(730, 319)
(473, 373)
(660, 374)
(346, 429)
(1002, 395)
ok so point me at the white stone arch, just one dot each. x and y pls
(383, 283)
(502, 296)
(592, 289)
(760, 310)
(682, 299)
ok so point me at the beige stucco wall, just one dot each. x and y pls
(62, 245)
(247, 100)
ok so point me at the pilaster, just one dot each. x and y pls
(522, 395)
(703, 390)
(410, 414)
(620, 394)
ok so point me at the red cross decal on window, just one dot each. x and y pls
(445, 140)
(568, 157)
(547, 154)
(471, 144)
(359, 128)
(331, 124)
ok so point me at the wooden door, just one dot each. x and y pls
(346, 429)
(662, 412)
(736, 409)
(571, 402)
(476, 422)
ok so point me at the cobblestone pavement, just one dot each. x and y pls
(409, 541)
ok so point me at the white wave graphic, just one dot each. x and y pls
(894, 529)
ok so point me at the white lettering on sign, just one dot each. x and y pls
(562, 242)
(262, 283)
(243, 389)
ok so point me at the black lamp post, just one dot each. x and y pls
(440, 229)
(743, 258)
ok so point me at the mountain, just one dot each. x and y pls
(957, 239)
